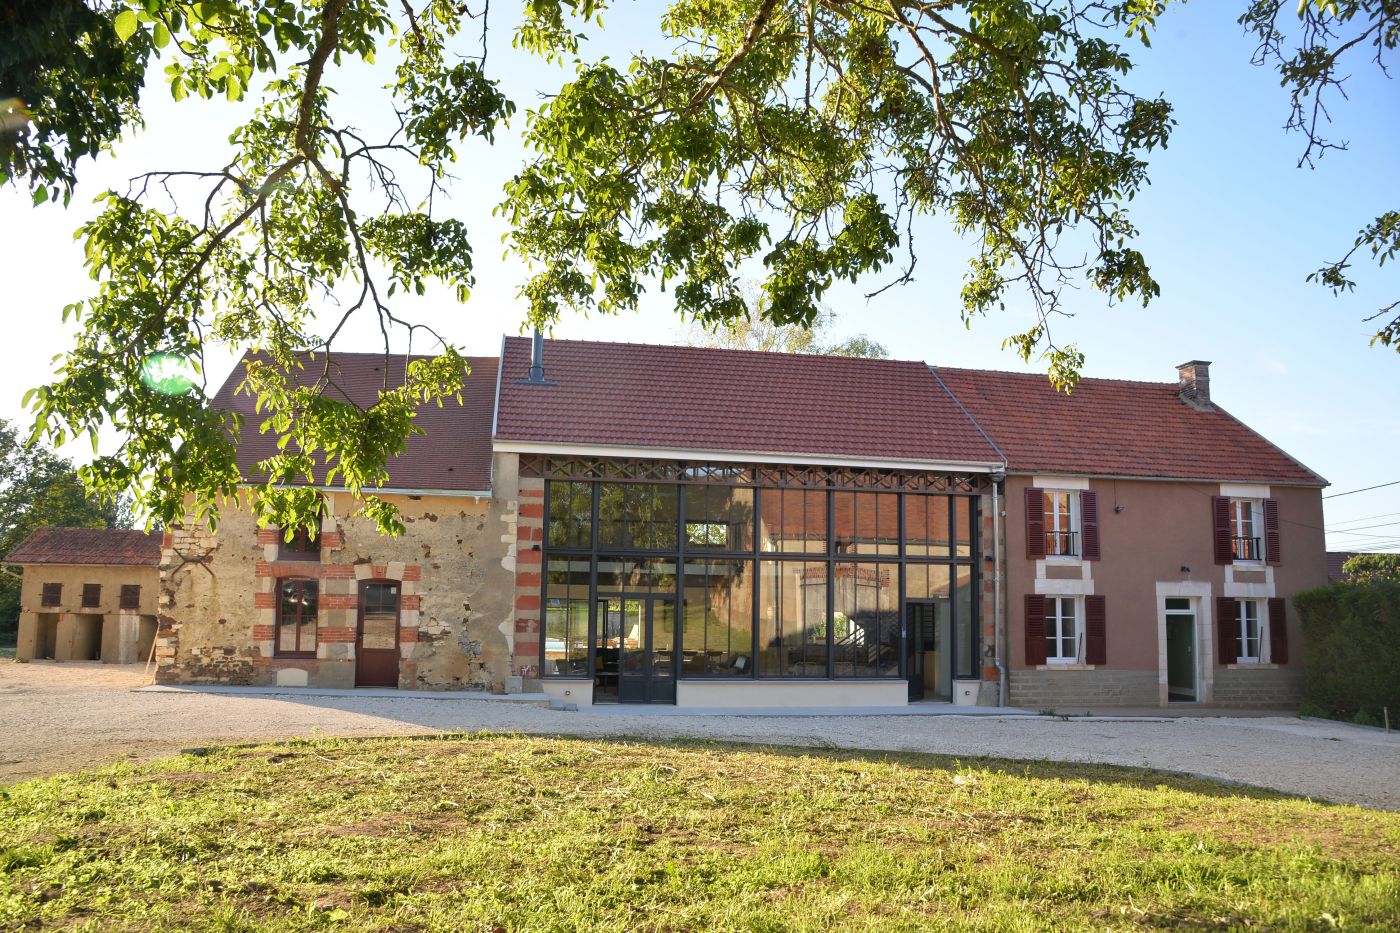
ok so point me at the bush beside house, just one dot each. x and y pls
(1351, 650)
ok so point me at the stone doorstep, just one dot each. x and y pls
(476, 696)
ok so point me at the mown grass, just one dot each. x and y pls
(489, 832)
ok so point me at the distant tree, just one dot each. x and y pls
(39, 488)
(758, 332)
(1372, 568)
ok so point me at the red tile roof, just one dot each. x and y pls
(89, 546)
(1335, 561)
(1112, 427)
(697, 399)
(453, 454)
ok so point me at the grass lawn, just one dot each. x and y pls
(490, 832)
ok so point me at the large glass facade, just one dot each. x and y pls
(738, 577)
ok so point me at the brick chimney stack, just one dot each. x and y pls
(1195, 384)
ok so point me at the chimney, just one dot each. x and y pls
(1194, 384)
(537, 363)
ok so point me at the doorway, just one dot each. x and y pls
(377, 635)
(928, 631)
(634, 650)
(1181, 650)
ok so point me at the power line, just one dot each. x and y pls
(1352, 531)
(1337, 495)
(1366, 518)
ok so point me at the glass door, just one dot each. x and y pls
(635, 646)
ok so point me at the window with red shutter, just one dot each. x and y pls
(1095, 630)
(1089, 524)
(1035, 630)
(1278, 631)
(1273, 551)
(1227, 629)
(1035, 524)
(1220, 518)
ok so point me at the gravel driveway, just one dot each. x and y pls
(60, 717)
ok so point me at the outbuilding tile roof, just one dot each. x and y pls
(88, 546)
(707, 400)
(454, 453)
(1113, 427)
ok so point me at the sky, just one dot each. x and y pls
(1230, 225)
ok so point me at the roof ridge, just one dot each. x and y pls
(734, 350)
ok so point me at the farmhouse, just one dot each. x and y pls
(619, 523)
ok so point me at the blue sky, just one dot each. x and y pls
(1230, 225)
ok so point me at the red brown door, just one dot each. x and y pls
(377, 635)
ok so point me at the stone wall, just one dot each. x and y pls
(72, 631)
(1259, 687)
(1092, 689)
(218, 613)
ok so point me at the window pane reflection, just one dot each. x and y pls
(793, 521)
(865, 523)
(717, 626)
(566, 618)
(865, 623)
(718, 518)
(792, 619)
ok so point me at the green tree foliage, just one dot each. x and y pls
(799, 139)
(1372, 568)
(39, 488)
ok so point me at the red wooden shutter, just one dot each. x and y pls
(1220, 513)
(1095, 630)
(1273, 552)
(1035, 527)
(1035, 629)
(1089, 524)
(1278, 632)
(1227, 630)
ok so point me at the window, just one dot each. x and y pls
(792, 634)
(570, 514)
(718, 518)
(92, 595)
(1247, 632)
(793, 521)
(52, 594)
(865, 523)
(131, 596)
(305, 545)
(296, 618)
(638, 515)
(865, 623)
(1244, 529)
(1061, 524)
(717, 618)
(566, 618)
(1061, 630)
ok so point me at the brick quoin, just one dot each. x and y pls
(534, 493)
(339, 601)
(264, 600)
(167, 540)
(527, 602)
(409, 602)
(336, 634)
(524, 579)
(333, 539)
(264, 632)
(337, 571)
(532, 510)
(267, 536)
(408, 634)
(529, 557)
(262, 569)
(527, 625)
(527, 650)
(413, 572)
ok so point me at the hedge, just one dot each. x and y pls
(1351, 650)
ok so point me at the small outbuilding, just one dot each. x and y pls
(89, 594)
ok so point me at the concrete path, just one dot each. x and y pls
(61, 717)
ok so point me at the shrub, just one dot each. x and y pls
(1372, 568)
(1351, 649)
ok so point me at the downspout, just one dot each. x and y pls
(998, 621)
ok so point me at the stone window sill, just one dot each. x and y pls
(1066, 667)
(1252, 666)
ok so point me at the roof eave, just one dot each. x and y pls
(569, 449)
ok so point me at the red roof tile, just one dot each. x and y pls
(1112, 427)
(453, 454)
(722, 401)
(89, 546)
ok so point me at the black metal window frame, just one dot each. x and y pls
(701, 475)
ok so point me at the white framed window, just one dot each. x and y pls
(1249, 637)
(1246, 523)
(1062, 629)
(1061, 523)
